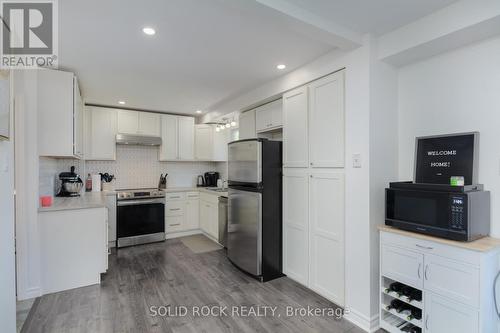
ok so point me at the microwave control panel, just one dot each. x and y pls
(458, 206)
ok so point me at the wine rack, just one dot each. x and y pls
(390, 319)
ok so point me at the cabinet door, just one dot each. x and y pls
(102, 134)
(221, 139)
(192, 214)
(296, 225)
(204, 216)
(295, 134)
(203, 142)
(443, 315)
(456, 280)
(277, 113)
(149, 124)
(78, 120)
(263, 119)
(402, 265)
(128, 122)
(247, 125)
(186, 138)
(326, 121)
(169, 138)
(326, 225)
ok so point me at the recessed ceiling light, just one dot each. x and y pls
(281, 66)
(199, 111)
(121, 102)
(148, 31)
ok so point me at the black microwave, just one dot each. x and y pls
(457, 213)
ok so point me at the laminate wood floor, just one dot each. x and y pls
(169, 274)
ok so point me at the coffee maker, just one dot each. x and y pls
(211, 178)
(71, 184)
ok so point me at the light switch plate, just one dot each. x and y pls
(356, 160)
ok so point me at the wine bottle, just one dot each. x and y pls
(415, 314)
(395, 287)
(395, 304)
(412, 293)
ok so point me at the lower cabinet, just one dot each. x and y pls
(209, 215)
(313, 230)
(456, 283)
(181, 212)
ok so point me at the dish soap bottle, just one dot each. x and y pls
(88, 183)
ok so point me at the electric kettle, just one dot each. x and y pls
(201, 181)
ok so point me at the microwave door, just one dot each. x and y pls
(244, 162)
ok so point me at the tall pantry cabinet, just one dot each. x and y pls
(313, 186)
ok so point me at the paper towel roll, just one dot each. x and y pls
(96, 183)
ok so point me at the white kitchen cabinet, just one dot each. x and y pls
(138, 123)
(443, 315)
(111, 206)
(186, 138)
(269, 116)
(204, 142)
(220, 141)
(326, 122)
(326, 216)
(181, 212)
(456, 279)
(295, 128)
(247, 129)
(100, 133)
(192, 214)
(209, 214)
(296, 225)
(60, 117)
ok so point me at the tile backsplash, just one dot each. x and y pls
(135, 167)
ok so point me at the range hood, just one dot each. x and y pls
(138, 140)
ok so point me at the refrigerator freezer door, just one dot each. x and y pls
(244, 240)
(244, 162)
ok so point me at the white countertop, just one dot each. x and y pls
(195, 189)
(85, 201)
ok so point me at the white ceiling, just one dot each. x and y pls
(205, 51)
(371, 16)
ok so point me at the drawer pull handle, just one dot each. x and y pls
(425, 272)
(427, 322)
(175, 197)
(418, 270)
(175, 224)
(424, 247)
(174, 209)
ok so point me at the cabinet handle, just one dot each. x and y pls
(427, 322)
(418, 270)
(424, 247)
(174, 209)
(175, 224)
(425, 272)
(175, 197)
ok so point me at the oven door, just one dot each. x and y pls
(140, 221)
(426, 212)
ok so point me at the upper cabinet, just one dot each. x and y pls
(177, 135)
(138, 123)
(220, 141)
(326, 122)
(269, 116)
(313, 124)
(247, 125)
(100, 133)
(60, 114)
(204, 142)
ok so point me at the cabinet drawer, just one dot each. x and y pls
(192, 195)
(174, 223)
(175, 196)
(175, 208)
(403, 265)
(456, 280)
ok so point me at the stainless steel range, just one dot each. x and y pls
(140, 216)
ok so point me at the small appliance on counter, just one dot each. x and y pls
(162, 183)
(211, 179)
(71, 184)
(200, 182)
(445, 200)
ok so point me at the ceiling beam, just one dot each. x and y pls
(312, 25)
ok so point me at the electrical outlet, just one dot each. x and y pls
(356, 160)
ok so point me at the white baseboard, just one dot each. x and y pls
(183, 234)
(365, 323)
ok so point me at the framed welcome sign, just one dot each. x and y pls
(4, 104)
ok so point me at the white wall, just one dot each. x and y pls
(455, 92)
(7, 246)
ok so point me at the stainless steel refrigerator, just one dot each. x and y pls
(254, 240)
